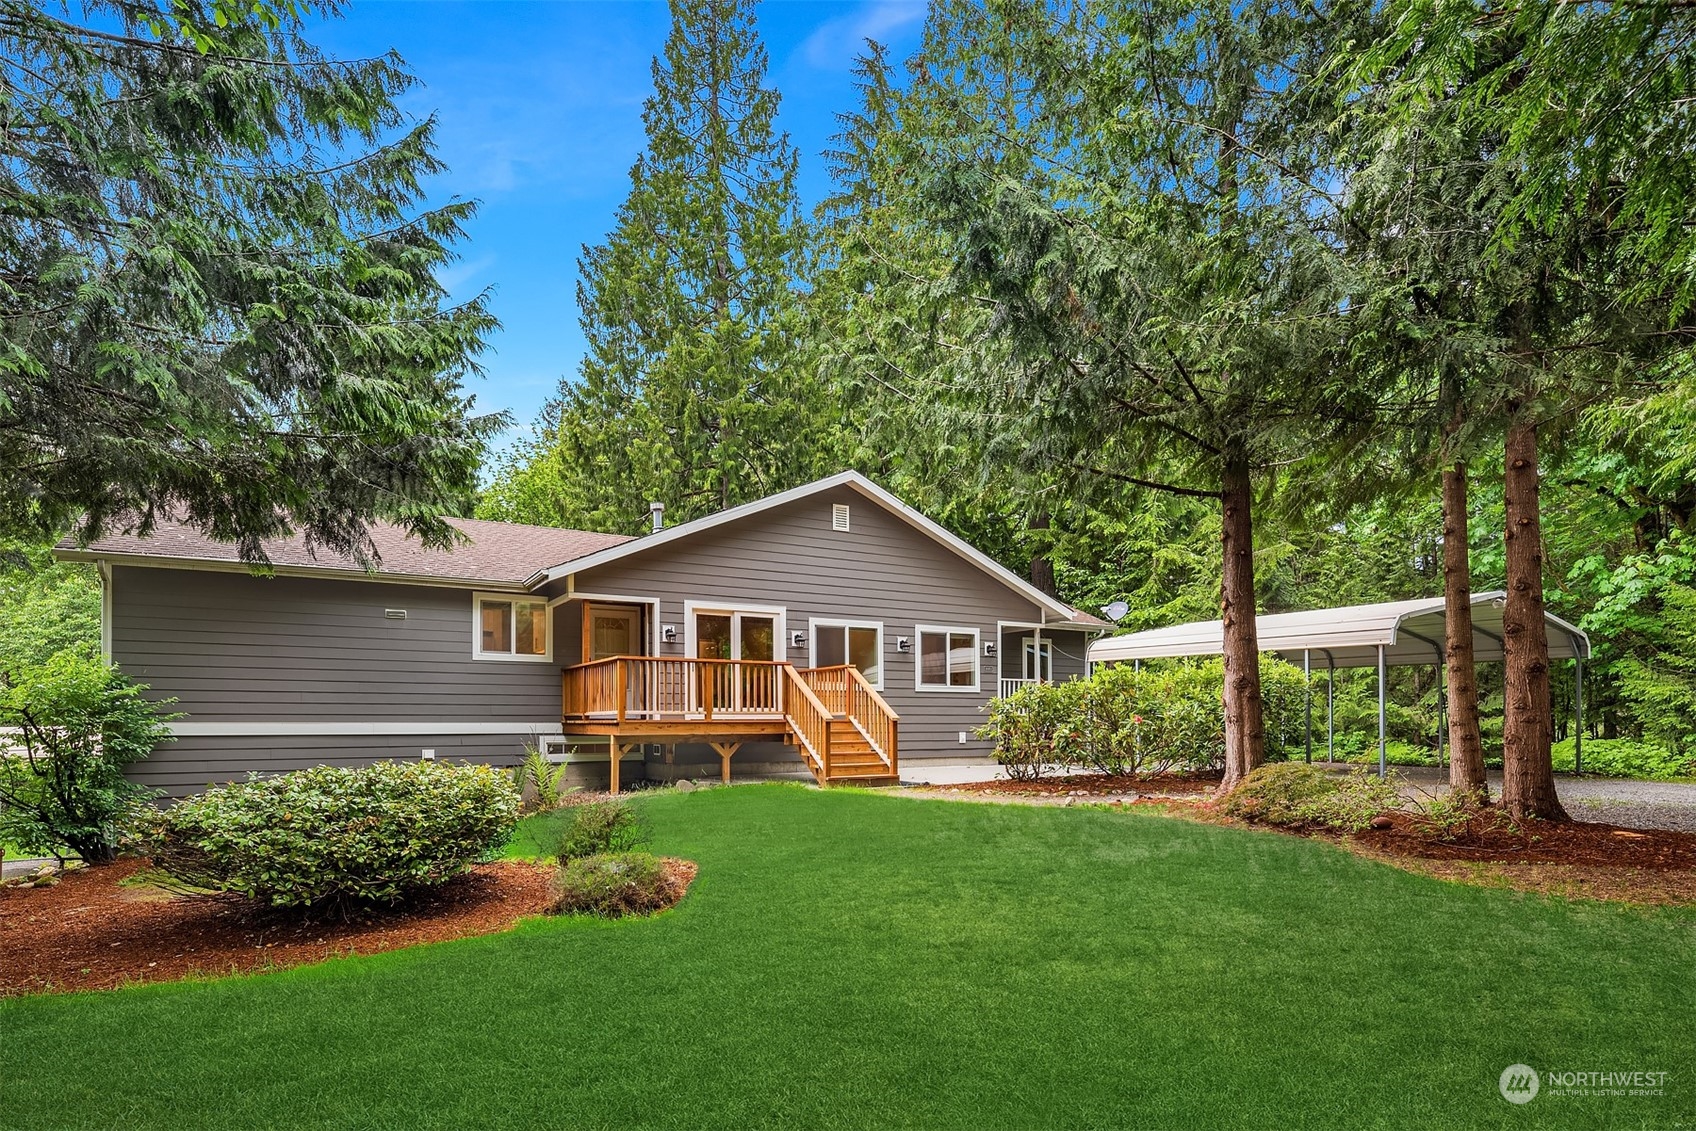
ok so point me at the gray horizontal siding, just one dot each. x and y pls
(231, 646)
(190, 765)
(881, 570)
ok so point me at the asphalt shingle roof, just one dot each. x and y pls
(503, 552)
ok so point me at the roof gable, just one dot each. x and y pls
(852, 480)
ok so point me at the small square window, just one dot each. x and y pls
(948, 659)
(860, 644)
(512, 628)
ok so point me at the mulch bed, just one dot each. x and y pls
(1092, 785)
(1576, 859)
(91, 932)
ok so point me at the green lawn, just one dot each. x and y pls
(851, 960)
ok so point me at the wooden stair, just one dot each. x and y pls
(852, 759)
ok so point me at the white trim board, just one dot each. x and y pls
(280, 729)
(327, 573)
(850, 479)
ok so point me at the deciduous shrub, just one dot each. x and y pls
(614, 884)
(1123, 720)
(597, 827)
(330, 838)
(77, 722)
(1293, 793)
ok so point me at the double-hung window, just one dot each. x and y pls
(948, 658)
(512, 628)
(850, 642)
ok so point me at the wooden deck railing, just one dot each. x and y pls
(810, 720)
(845, 690)
(654, 687)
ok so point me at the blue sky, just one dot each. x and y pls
(540, 118)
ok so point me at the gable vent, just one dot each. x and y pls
(839, 516)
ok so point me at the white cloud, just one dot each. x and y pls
(837, 42)
(456, 275)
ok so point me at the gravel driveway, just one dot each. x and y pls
(1615, 801)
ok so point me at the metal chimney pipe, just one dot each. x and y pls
(657, 511)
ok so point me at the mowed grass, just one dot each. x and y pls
(851, 960)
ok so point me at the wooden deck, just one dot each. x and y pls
(840, 726)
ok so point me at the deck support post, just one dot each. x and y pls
(725, 750)
(615, 750)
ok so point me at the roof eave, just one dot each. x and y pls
(219, 565)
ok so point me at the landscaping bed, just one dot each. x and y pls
(1092, 785)
(93, 931)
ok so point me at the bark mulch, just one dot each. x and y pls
(92, 932)
(1091, 785)
(1576, 859)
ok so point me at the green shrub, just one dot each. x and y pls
(331, 837)
(1294, 793)
(614, 884)
(78, 722)
(598, 827)
(1165, 716)
(1275, 793)
(1351, 806)
(1624, 758)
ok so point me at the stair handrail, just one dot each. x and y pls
(873, 717)
(808, 718)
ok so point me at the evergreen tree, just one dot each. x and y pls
(217, 298)
(690, 392)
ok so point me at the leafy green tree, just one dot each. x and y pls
(689, 393)
(75, 722)
(46, 607)
(218, 295)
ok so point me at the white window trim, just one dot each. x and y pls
(779, 615)
(477, 653)
(1036, 645)
(833, 622)
(919, 683)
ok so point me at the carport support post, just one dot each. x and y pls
(1382, 767)
(1307, 685)
(1578, 711)
(1330, 709)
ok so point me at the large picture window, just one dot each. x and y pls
(948, 659)
(850, 642)
(512, 628)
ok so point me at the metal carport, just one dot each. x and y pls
(1390, 634)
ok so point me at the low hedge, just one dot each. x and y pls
(331, 837)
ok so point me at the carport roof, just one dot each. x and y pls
(1411, 632)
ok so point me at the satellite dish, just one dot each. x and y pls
(1117, 610)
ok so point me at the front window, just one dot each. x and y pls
(948, 659)
(512, 628)
(860, 644)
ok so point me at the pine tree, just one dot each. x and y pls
(690, 392)
(218, 297)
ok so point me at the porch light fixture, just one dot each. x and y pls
(902, 644)
(989, 647)
(797, 640)
(668, 633)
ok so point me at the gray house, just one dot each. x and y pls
(829, 630)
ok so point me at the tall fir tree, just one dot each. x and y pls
(691, 392)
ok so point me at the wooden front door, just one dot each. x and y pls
(611, 630)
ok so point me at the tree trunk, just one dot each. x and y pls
(1245, 728)
(1042, 566)
(1466, 748)
(1528, 774)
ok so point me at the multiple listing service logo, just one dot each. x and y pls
(1519, 1084)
